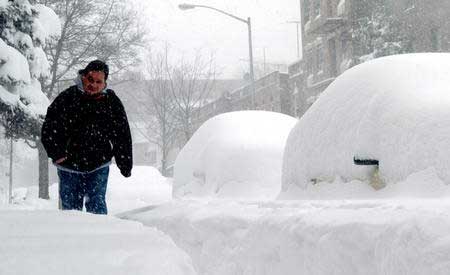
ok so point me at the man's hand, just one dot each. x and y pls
(126, 173)
(60, 160)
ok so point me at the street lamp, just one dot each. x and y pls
(186, 6)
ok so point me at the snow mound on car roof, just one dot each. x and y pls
(234, 155)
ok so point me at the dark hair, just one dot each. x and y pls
(96, 65)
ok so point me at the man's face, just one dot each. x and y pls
(93, 82)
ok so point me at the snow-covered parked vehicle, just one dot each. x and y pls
(392, 113)
(234, 155)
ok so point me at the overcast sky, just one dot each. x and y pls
(227, 38)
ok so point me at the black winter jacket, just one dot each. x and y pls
(88, 130)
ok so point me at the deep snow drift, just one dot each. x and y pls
(74, 243)
(236, 154)
(321, 237)
(394, 109)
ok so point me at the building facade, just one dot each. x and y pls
(297, 82)
(272, 93)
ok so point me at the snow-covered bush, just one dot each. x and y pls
(235, 154)
(393, 109)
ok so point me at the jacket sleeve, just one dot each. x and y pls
(121, 138)
(54, 130)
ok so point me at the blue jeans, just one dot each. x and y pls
(75, 186)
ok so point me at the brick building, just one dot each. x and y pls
(272, 93)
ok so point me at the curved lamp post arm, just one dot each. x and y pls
(190, 6)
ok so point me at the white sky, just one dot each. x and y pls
(227, 38)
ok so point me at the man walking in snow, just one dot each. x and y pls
(86, 125)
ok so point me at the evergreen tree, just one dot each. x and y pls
(24, 30)
(22, 64)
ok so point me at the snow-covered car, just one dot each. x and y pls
(392, 112)
(234, 155)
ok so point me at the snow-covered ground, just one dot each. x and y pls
(38, 239)
(397, 236)
(398, 233)
(146, 186)
(47, 242)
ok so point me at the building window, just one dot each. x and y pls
(343, 45)
(151, 157)
(330, 8)
(435, 39)
(317, 8)
(306, 8)
(319, 58)
(410, 4)
(309, 61)
(410, 45)
(332, 57)
(2, 22)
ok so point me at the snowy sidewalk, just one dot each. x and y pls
(397, 236)
(56, 243)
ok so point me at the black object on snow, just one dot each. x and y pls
(358, 161)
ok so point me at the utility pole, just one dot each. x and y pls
(252, 74)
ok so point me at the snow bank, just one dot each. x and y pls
(422, 184)
(54, 243)
(394, 109)
(309, 237)
(235, 154)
